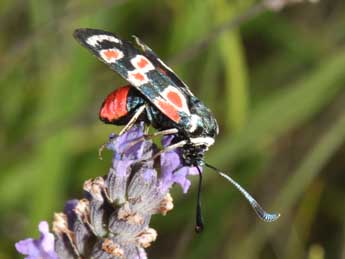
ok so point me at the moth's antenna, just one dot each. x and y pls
(262, 214)
(199, 226)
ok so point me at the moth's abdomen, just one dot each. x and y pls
(114, 106)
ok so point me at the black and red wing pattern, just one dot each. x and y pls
(143, 70)
(152, 56)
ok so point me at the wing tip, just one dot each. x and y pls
(82, 33)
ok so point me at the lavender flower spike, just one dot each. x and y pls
(112, 221)
(41, 248)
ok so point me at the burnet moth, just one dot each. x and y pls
(157, 96)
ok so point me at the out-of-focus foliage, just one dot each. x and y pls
(276, 84)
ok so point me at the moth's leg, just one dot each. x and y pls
(133, 120)
(162, 133)
(167, 149)
(129, 125)
(150, 136)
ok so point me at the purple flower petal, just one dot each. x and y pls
(69, 211)
(172, 168)
(70, 206)
(121, 166)
(173, 171)
(129, 148)
(167, 139)
(123, 145)
(149, 174)
(41, 248)
(194, 171)
(180, 177)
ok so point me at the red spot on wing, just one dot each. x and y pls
(142, 63)
(115, 105)
(175, 98)
(111, 53)
(139, 76)
(168, 110)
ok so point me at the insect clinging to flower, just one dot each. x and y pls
(157, 96)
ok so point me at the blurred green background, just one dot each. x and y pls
(276, 84)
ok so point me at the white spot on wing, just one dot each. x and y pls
(95, 39)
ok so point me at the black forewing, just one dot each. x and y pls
(153, 57)
(97, 40)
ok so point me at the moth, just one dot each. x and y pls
(157, 96)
